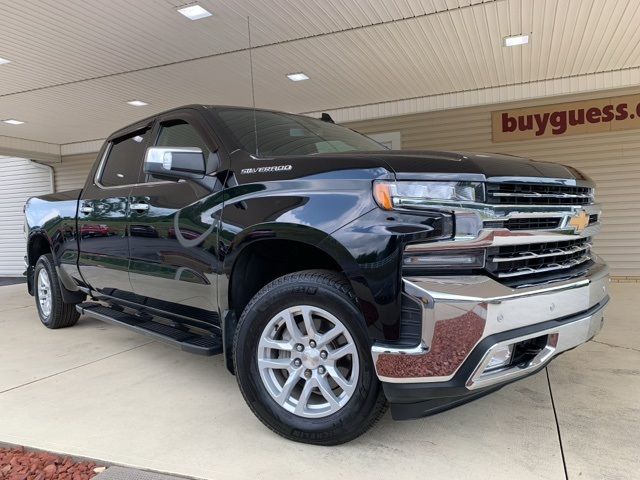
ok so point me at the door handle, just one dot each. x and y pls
(86, 209)
(140, 207)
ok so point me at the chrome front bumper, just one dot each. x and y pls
(458, 313)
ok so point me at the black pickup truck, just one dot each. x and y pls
(335, 276)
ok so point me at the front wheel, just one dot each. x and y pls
(303, 361)
(52, 310)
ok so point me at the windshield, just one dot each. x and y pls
(284, 134)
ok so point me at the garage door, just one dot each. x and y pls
(19, 180)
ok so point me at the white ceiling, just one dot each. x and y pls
(76, 62)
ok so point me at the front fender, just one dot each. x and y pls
(303, 210)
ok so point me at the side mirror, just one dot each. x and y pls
(175, 163)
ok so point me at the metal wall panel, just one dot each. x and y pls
(20, 179)
(72, 172)
(86, 39)
(612, 159)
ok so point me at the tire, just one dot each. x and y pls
(53, 311)
(344, 397)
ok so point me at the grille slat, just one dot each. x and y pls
(552, 253)
(544, 223)
(532, 223)
(538, 194)
(532, 259)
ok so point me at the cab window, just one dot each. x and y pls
(178, 133)
(124, 160)
(181, 134)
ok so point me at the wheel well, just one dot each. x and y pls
(38, 245)
(264, 261)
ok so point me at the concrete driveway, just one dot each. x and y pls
(99, 391)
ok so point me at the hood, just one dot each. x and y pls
(420, 164)
(405, 165)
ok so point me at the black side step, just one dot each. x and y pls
(185, 340)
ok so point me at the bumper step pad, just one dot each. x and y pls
(186, 340)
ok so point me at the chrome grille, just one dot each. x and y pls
(537, 194)
(531, 259)
(532, 223)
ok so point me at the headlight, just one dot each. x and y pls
(391, 195)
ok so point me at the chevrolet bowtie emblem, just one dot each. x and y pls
(579, 221)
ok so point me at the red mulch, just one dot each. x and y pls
(19, 464)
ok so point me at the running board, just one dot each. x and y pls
(184, 339)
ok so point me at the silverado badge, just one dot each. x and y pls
(579, 221)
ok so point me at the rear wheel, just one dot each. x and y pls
(52, 310)
(303, 361)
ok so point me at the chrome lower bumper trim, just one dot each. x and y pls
(560, 339)
(458, 312)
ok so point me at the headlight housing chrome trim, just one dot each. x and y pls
(391, 195)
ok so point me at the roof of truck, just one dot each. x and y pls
(145, 122)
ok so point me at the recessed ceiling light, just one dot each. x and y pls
(514, 40)
(137, 103)
(297, 77)
(4, 60)
(194, 12)
(12, 121)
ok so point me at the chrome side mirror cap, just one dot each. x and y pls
(175, 162)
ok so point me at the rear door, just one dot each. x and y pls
(174, 262)
(103, 214)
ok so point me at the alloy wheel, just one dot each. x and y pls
(44, 292)
(308, 361)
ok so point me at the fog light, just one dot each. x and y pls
(501, 357)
